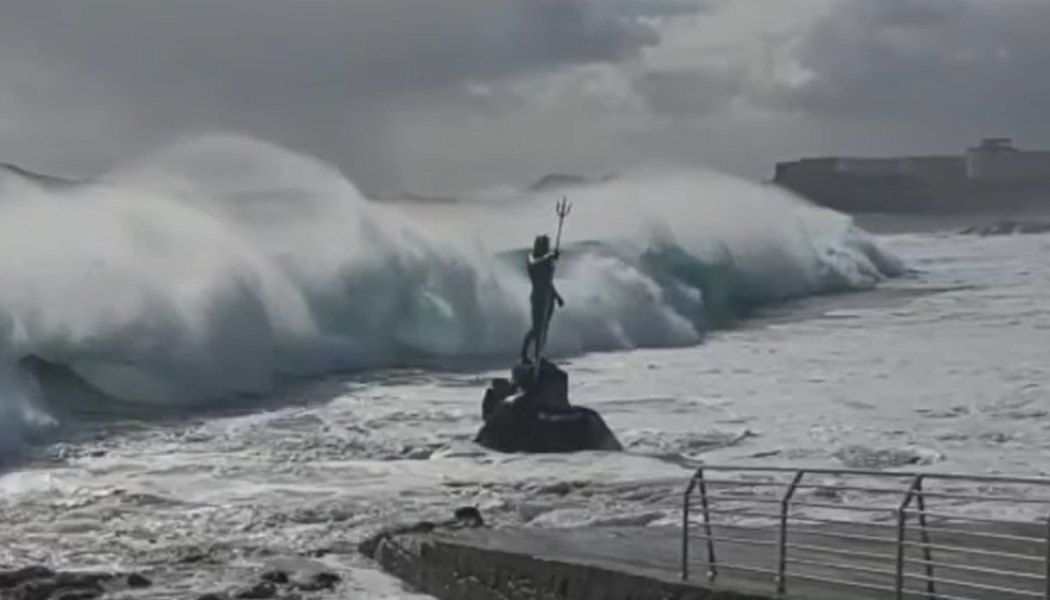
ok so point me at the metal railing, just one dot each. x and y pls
(964, 547)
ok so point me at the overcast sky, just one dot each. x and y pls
(438, 95)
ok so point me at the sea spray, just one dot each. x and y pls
(221, 265)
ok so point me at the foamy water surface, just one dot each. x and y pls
(948, 366)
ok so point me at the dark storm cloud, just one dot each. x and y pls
(83, 82)
(971, 67)
(347, 46)
(685, 93)
(318, 74)
(882, 77)
(665, 8)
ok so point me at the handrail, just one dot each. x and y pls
(1001, 556)
(785, 504)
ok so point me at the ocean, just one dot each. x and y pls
(221, 349)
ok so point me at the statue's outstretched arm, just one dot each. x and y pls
(535, 260)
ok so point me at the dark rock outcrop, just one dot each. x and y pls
(539, 418)
(1008, 227)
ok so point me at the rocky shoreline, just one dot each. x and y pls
(1008, 227)
(39, 582)
(289, 578)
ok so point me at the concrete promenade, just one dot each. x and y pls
(643, 563)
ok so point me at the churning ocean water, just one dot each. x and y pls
(224, 348)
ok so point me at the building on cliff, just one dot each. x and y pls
(993, 175)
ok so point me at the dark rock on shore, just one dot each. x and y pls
(467, 517)
(38, 582)
(136, 581)
(1008, 227)
(275, 577)
(259, 591)
(284, 579)
(318, 582)
(574, 429)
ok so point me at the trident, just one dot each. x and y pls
(562, 209)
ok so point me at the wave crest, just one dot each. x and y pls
(220, 265)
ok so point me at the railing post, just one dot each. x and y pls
(785, 503)
(927, 555)
(685, 526)
(1046, 580)
(712, 566)
(902, 517)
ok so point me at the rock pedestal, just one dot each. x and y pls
(532, 414)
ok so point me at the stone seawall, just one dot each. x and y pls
(451, 570)
(822, 562)
(480, 564)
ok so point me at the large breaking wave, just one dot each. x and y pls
(219, 266)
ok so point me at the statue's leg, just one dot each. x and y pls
(530, 337)
(545, 323)
(539, 316)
